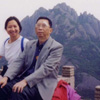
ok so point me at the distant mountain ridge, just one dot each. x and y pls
(80, 36)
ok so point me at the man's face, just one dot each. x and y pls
(43, 30)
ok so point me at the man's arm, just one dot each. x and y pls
(51, 64)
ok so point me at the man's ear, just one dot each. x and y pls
(51, 30)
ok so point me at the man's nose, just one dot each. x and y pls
(40, 27)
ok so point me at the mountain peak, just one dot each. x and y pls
(61, 5)
(64, 7)
(41, 9)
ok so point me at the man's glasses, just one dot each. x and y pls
(42, 25)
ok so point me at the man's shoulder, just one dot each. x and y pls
(53, 41)
(56, 43)
(31, 42)
(26, 40)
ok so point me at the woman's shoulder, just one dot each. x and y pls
(6, 40)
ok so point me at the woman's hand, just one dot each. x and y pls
(3, 81)
(1, 77)
(18, 87)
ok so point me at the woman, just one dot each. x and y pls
(14, 45)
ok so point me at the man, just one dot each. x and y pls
(40, 63)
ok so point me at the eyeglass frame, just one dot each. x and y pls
(42, 25)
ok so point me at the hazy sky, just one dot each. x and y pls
(22, 8)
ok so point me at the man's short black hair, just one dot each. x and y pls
(50, 22)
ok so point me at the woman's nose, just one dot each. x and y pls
(12, 28)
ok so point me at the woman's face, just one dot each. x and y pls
(13, 28)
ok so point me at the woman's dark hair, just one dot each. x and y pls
(13, 18)
(50, 22)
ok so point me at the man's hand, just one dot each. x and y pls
(3, 81)
(18, 87)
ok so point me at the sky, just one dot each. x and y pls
(22, 8)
